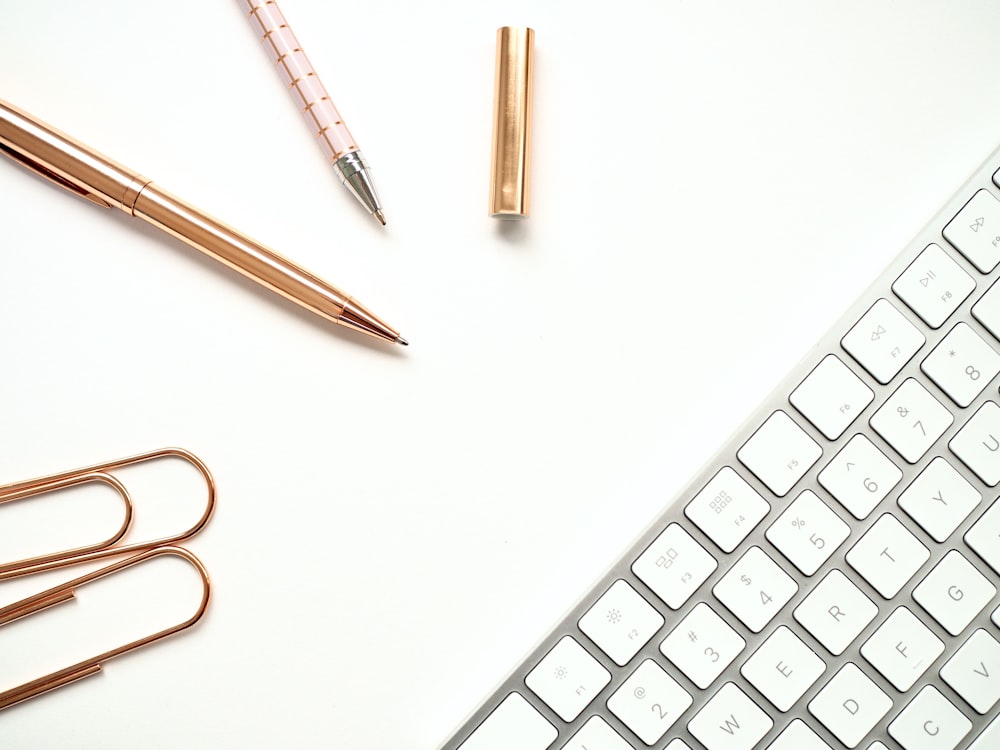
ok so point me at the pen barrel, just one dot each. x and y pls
(67, 162)
(299, 76)
(241, 253)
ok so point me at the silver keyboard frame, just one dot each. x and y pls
(674, 512)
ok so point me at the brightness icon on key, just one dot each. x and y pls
(614, 616)
(560, 673)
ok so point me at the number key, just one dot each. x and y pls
(702, 645)
(649, 702)
(808, 532)
(860, 476)
(911, 420)
(755, 589)
(962, 364)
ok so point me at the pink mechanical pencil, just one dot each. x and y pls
(334, 138)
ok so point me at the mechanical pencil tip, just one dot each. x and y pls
(401, 340)
(380, 216)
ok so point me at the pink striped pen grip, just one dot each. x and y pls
(307, 90)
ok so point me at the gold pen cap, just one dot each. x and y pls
(510, 171)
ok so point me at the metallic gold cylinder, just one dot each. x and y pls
(510, 171)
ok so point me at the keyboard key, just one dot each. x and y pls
(883, 341)
(514, 723)
(877, 745)
(649, 702)
(677, 745)
(779, 453)
(929, 722)
(621, 622)
(674, 566)
(911, 420)
(954, 592)
(939, 499)
(835, 612)
(596, 735)
(962, 365)
(850, 705)
(860, 476)
(934, 286)
(783, 668)
(987, 310)
(702, 645)
(755, 589)
(887, 556)
(974, 230)
(730, 721)
(989, 739)
(984, 537)
(727, 509)
(808, 532)
(567, 678)
(974, 671)
(831, 397)
(902, 649)
(798, 736)
(978, 443)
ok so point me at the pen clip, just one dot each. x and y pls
(48, 174)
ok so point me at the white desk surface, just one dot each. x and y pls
(712, 184)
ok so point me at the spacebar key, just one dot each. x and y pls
(515, 723)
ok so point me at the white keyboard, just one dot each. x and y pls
(830, 579)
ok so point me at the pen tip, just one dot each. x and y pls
(380, 216)
(401, 340)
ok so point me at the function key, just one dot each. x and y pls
(831, 397)
(975, 231)
(674, 566)
(621, 622)
(567, 678)
(727, 509)
(779, 453)
(933, 286)
(883, 341)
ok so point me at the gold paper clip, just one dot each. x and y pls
(108, 547)
(65, 592)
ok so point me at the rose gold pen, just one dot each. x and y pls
(83, 171)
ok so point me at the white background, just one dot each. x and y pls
(712, 184)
